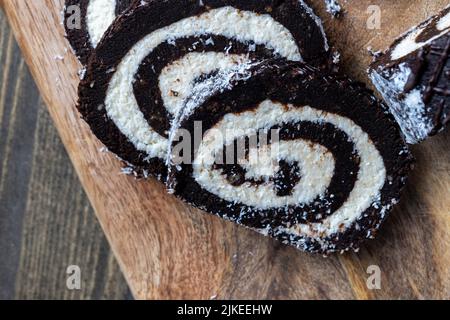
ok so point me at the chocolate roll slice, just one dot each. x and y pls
(304, 157)
(413, 76)
(149, 60)
(86, 21)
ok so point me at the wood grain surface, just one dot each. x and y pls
(46, 221)
(168, 250)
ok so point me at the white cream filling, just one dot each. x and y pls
(409, 43)
(176, 80)
(312, 159)
(100, 15)
(317, 166)
(444, 23)
(244, 26)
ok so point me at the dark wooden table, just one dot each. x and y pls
(46, 221)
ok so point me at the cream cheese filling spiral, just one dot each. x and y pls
(316, 164)
(120, 103)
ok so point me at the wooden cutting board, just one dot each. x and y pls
(168, 250)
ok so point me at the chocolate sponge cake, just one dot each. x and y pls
(413, 76)
(149, 60)
(86, 21)
(305, 157)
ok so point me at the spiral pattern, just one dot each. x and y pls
(149, 61)
(333, 163)
(324, 184)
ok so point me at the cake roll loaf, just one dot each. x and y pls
(413, 76)
(304, 157)
(150, 59)
(86, 21)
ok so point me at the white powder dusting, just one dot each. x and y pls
(179, 76)
(407, 108)
(333, 7)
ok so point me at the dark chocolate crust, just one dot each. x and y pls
(299, 85)
(143, 19)
(79, 38)
(430, 72)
